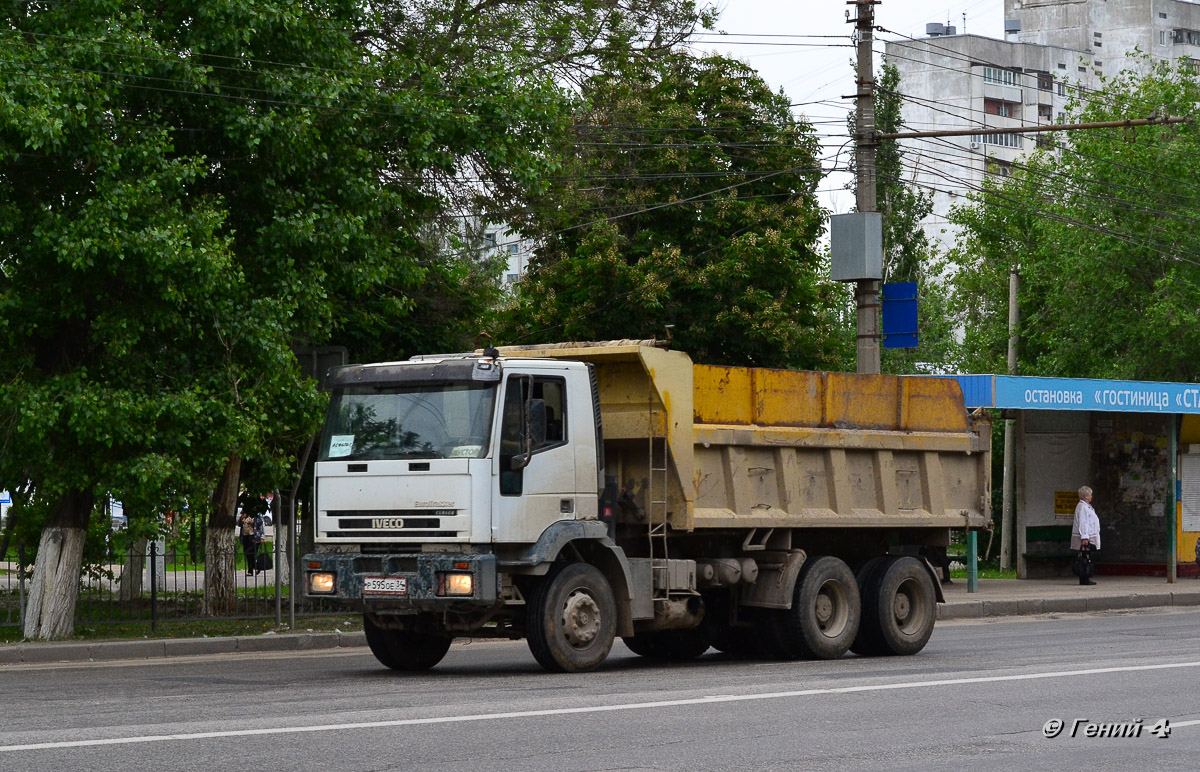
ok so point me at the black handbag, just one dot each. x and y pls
(1082, 567)
(263, 562)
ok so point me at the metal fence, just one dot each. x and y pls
(161, 585)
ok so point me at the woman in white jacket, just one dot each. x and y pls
(1085, 532)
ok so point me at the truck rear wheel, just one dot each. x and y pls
(571, 619)
(824, 618)
(899, 608)
(674, 645)
(866, 643)
(404, 649)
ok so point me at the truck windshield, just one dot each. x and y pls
(447, 420)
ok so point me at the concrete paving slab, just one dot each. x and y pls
(270, 642)
(347, 640)
(190, 647)
(1009, 607)
(145, 649)
(1065, 605)
(960, 610)
(1114, 602)
(10, 654)
(318, 640)
(49, 651)
(1185, 598)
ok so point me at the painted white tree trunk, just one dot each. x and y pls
(282, 534)
(54, 588)
(220, 572)
(220, 544)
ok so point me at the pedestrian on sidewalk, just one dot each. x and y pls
(251, 536)
(1085, 534)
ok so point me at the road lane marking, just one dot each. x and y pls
(708, 700)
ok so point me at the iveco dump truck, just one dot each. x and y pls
(571, 493)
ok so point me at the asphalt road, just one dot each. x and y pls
(977, 697)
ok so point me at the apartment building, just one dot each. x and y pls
(1163, 29)
(1049, 48)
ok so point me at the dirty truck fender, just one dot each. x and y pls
(585, 540)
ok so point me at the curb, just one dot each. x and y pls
(1008, 607)
(104, 651)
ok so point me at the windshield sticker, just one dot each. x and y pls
(465, 451)
(340, 445)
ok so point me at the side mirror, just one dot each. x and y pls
(533, 434)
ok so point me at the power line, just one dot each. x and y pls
(1019, 205)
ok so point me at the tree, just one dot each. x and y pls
(1103, 226)
(539, 53)
(100, 247)
(186, 191)
(685, 207)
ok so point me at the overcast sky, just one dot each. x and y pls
(784, 41)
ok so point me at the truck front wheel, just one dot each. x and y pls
(404, 649)
(571, 619)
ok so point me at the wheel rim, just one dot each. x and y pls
(831, 609)
(581, 619)
(907, 607)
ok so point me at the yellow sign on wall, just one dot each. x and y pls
(1065, 501)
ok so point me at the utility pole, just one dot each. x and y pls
(866, 291)
(1006, 506)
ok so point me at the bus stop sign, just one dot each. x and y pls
(900, 315)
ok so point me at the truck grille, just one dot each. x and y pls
(405, 523)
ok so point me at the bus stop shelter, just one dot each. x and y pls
(1135, 443)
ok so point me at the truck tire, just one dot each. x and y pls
(867, 643)
(571, 619)
(824, 618)
(899, 609)
(671, 645)
(403, 649)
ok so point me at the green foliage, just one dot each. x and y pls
(189, 189)
(504, 66)
(687, 200)
(1105, 238)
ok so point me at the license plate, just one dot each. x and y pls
(385, 585)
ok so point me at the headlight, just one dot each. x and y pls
(458, 584)
(320, 584)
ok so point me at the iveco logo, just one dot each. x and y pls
(433, 504)
(387, 522)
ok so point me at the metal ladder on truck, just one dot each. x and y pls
(656, 501)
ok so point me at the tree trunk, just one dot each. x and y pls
(131, 575)
(220, 544)
(279, 513)
(54, 588)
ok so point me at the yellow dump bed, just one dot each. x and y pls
(721, 447)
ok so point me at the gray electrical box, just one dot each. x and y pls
(856, 246)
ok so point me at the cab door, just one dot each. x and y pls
(530, 497)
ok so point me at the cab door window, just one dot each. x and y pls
(523, 395)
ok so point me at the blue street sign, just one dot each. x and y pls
(900, 315)
(1036, 393)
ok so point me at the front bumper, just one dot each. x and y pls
(424, 579)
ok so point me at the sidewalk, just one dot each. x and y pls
(1012, 597)
(994, 598)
